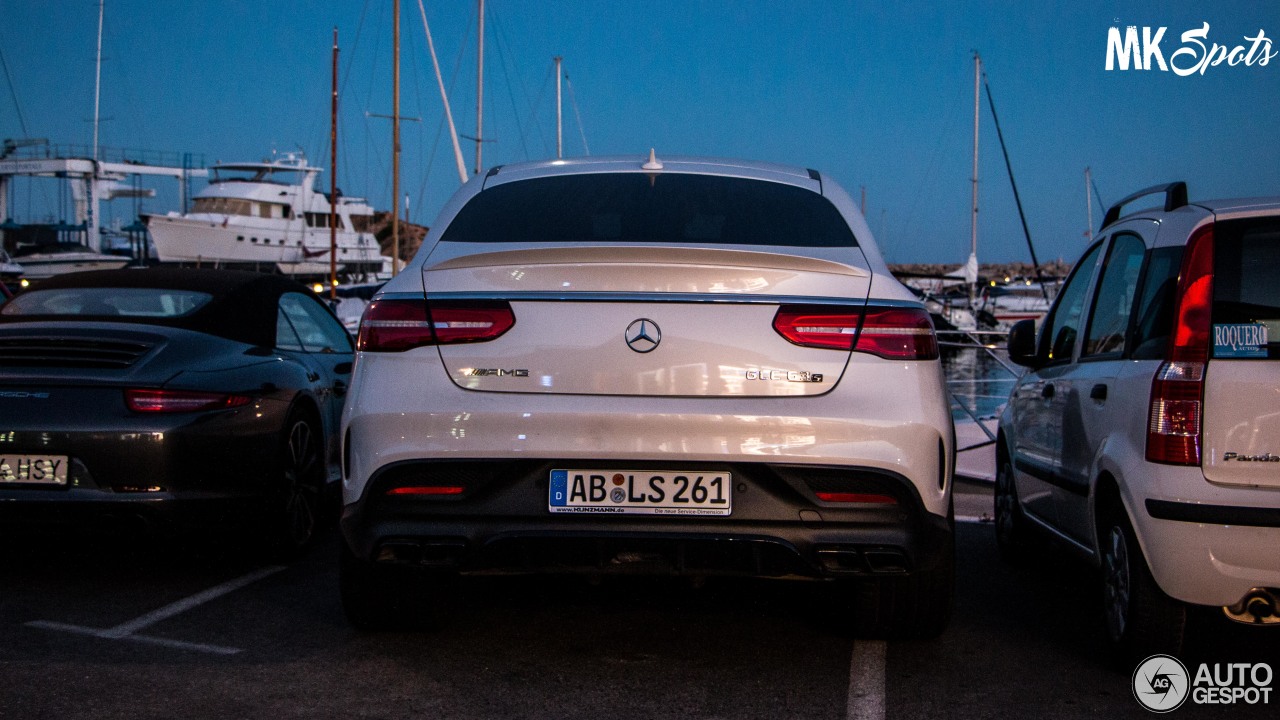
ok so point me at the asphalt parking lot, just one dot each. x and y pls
(110, 626)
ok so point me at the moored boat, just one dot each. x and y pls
(269, 216)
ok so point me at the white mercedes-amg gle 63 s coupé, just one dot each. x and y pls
(666, 366)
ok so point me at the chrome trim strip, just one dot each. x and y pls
(627, 297)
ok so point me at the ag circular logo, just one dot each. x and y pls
(1161, 683)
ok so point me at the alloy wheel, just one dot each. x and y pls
(1116, 581)
(301, 499)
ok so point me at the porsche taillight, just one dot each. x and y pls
(896, 333)
(397, 325)
(150, 400)
(1174, 423)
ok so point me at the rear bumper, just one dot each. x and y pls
(1212, 551)
(164, 470)
(778, 527)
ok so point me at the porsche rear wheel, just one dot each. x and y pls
(297, 504)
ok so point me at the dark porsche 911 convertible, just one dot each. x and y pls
(177, 395)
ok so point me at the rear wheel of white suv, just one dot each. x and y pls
(1141, 619)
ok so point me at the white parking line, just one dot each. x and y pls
(866, 681)
(128, 630)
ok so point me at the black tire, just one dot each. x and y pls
(1141, 620)
(390, 597)
(1014, 536)
(297, 510)
(918, 605)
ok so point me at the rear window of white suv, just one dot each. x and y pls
(1246, 292)
(668, 208)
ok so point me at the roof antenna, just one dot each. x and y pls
(653, 163)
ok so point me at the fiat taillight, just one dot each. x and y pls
(1174, 423)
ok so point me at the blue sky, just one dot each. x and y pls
(876, 95)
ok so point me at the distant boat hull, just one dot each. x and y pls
(41, 265)
(287, 247)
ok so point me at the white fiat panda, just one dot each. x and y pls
(1145, 432)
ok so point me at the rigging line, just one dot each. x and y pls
(546, 82)
(502, 61)
(1035, 263)
(342, 86)
(947, 130)
(524, 92)
(447, 115)
(431, 160)
(1097, 196)
(346, 76)
(574, 102)
(415, 53)
(462, 49)
(22, 121)
(374, 151)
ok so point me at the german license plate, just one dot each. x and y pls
(33, 469)
(641, 492)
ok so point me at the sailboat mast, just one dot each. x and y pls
(559, 112)
(97, 81)
(444, 96)
(333, 175)
(977, 73)
(395, 143)
(480, 91)
(1088, 205)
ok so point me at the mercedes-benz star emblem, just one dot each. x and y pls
(643, 335)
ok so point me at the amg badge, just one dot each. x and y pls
(494, 372)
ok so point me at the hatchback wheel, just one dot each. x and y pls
(1141, 619)
(1013, 536)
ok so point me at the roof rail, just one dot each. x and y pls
(1175, 196)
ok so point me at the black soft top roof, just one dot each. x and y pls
(243, 307)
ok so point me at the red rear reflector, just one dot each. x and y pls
(174, 401)
(848, 497)
(398, 325)
(426, 490)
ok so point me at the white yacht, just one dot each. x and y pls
(269, 216)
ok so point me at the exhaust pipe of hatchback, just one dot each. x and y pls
(1260, 606)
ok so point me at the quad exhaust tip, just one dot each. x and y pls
(1260, 606)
